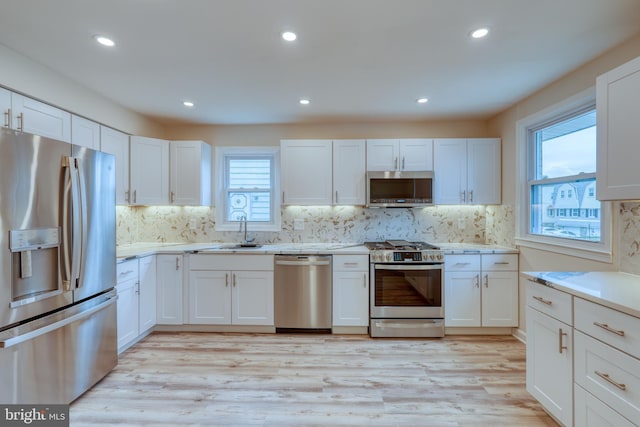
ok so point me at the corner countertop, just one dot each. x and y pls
(616, 290)
(474, 248)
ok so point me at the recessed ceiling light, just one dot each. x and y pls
(422, 100)
(188, 104)
(479, 33)
(289, 36)
(304, 101)
(104, 41)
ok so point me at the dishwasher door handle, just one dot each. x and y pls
(303, 262)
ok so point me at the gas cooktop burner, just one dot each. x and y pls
(394, 251)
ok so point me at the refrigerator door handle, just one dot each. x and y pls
(10, 342)
(69, 215)
(82, 226)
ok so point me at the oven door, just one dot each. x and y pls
(406, 291)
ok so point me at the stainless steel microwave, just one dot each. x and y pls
(399, 189)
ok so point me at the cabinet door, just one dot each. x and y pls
(382, 154)
(252, 298)
(483, 171)
(210, 297)
(462, 298)
(592, 412)
(5, 106)
(450, 171)
(169, 288)
(550, 364)
(618, 127)
(349, 172)
(148, 294)
(117, 143)
(39, 118)
(416, 155)
(500, 298)
(127, 312)
(149, 171)
(306, 172)
(190, 173)
(85, 133)
(350, 298)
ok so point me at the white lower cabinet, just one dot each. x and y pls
(136, 309)
(350, 290)
(481, 290)
(169, 290)
(591, 412)
(550, 351)
(231, 289)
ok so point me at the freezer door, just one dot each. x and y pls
(31, 178)
(98, 222)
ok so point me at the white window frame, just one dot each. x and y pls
(597, 251)
(220, 190)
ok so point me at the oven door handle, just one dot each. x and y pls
(405, 267)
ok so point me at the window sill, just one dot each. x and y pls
(569, 247)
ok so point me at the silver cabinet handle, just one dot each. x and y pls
(560, 346)
(21, 122)
(172, 197)
(336, 196)
(402, 162)
(135, 196)
(177, 263)
(226, 280)
(124, 273)
(234, 280)
(126, 196)
(542, 300)
(463, 196)
(477, 280)
(7, 118)
(462, 264)
(609, 328)
(470, 196)
(283, 197)
(501, 263)
(486, 280)
(608, 379)
(364, 279)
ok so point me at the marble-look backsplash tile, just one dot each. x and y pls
(629, 236)
(321, 224)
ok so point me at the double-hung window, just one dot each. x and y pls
(247, 188)
(559, 208)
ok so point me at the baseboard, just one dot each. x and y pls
(520, 335)
(217, 328)
(477, 331)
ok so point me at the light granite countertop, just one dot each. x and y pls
(474, 248)
(616, 290)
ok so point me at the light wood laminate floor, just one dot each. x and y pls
(207, 379)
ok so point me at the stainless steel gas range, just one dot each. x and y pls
(407, 294)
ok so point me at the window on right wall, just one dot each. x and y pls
(559, 209)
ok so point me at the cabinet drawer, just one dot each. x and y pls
(608, 374)
(550, 301)
(591, 412)
(127, 270)
(500, 262)
(610, 326)
(231, 262)
(351, 263)
(462, 262)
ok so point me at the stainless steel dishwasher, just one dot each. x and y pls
(302, 293)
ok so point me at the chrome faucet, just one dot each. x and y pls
(243, 220)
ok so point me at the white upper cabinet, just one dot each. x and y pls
(618, 127)
(306, 172)
(190, 173)
(349, 172)
(28, 115)
(149, 171)
(85, 133)
(467, 171)
(117, 143)
(411, 154)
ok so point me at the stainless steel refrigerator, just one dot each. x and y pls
(57, 269)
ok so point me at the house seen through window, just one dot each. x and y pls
(562, 178)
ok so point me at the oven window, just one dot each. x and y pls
(408, 288)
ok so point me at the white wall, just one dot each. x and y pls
(21, 74)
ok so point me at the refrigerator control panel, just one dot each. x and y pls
(33, 239)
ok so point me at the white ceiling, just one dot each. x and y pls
(356, 60)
